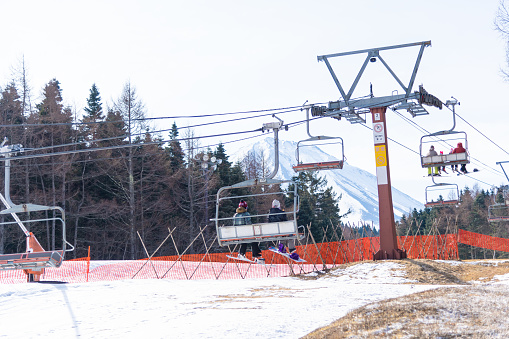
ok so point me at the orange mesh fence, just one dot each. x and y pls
(443, 247)
(483, 241)
(219, 266)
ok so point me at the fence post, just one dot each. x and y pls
(88, 262)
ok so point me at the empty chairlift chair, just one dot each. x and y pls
(309, 163)
(499, 211)
(35, 258)
(441, 194)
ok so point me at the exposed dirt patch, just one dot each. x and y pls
(453, 272)
(472, 309)
(462, 312)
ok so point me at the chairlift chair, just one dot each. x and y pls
(499, 211)
(259, 229)
(35, 259)
(434, 200)
(312, 141)
(450, 138)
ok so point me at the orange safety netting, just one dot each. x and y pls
(219, 266)
(483, 241)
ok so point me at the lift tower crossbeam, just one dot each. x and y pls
(352, 110)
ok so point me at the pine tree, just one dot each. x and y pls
(175, 151)
(94, 115)
(318, 205)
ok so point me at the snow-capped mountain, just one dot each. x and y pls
(358, 188)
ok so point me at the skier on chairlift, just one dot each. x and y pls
(460, 149)
(242, 217)
(278, 215)
(442, 169)
(432, 153)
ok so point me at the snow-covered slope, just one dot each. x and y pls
(358, 188)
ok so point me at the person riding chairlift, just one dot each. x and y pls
(242, 217)
(460, 149)
(278, 215)
(432, 153)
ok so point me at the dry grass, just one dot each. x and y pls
(470, 310)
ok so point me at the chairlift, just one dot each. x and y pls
(450, 138)
(259, 229)
(435, 194)
(499, 211)
(35, 259)
(313, 141)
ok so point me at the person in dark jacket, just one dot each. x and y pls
(278, 215)
(242, 217)
(460, 149)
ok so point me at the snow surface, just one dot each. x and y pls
(286, 307)
(358, 188)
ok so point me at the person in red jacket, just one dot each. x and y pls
(460, 149)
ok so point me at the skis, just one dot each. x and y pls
(452, 172)
(248, 260)
(275, 250)
(463, 173)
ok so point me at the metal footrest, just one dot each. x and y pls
(413, 108)
(353, 118)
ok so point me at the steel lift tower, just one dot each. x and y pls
(352, 110)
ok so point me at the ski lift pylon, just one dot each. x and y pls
(228, 233)
(311, 141)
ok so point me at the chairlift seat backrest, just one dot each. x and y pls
(316, 166)
(257, 232)
(445, 160)
(441, 203)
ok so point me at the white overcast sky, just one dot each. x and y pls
(205, 57)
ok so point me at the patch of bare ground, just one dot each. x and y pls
(453, 272)
(468, 310)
